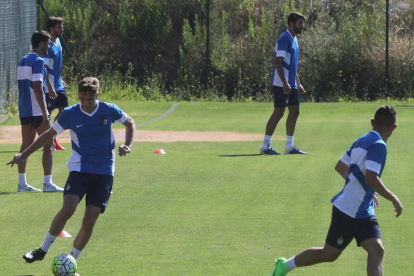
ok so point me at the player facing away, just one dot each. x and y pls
(353, 213)
(55, 89)
(286, 86)
(34, 117)
(91, 165)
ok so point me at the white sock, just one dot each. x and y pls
(291, 263)
(75, 253)
(266, 142)
(48, 180)
(47, 243)
(22, 179)
(289, 143)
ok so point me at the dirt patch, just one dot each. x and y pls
(12, 135)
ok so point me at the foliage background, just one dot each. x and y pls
(156, 50)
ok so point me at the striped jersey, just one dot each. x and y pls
(31, 68)
(369, 152)
(53, 60)
(93, 141)
(288, 48)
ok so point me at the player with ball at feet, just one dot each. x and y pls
(91, 164)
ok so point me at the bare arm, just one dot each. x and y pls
(300, 87)
(51, 89)
(40, 98)
(372, 180)
(41, 141)
(281, 73)
(129, 137)
(342, 169)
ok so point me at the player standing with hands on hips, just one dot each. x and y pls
(91, 165)
(353, 213)
(286, 86)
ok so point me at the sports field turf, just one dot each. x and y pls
(216, 208)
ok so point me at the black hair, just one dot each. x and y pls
(53, 21)
(385, 116)
(294, 16)
(38, 37)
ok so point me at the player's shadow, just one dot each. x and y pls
(9, 193)
(239, 155)
(8, 151)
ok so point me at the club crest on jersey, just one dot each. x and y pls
(104, 120)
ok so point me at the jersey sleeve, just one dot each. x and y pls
(375, 157)
(38, 70)
(119, 115)
(282, 46)
(62, 122)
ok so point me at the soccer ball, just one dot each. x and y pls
(64, 265)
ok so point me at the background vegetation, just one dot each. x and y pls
(156, 50)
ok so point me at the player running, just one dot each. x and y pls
(353, 213)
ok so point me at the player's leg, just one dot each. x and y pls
(70, 202)
(47, 162)
(294, 111)
(88, 223)
(28, 136)
(97, 198)
(375, 250)
(369, 237)
(280, 103)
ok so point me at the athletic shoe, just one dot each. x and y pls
(51, 188)
(35, 255)
(295, 150)
(268, 151)
(28, 188)
(77, 274)
(57, 145)
(281, 268)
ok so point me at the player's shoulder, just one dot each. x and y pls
(72, 108)
(107, 105)
(286, 36)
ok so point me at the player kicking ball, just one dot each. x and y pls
(91, 164)
(353, 213)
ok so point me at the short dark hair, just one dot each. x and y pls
(385, 116)
(53, 21)
(88, 85)
(294, 16)
(38, 37)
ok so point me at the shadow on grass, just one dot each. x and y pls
(7, 193)
(239, 155)
(8, 151)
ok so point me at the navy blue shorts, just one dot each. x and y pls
(34, 121)
(97, 188)
(61, 100)
(344, 229)
(283, 100)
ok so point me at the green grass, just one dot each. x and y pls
(216, 208)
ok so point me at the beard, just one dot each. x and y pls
(298, 31)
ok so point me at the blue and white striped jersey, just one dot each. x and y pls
(369, 152)
(53, 60)
(93, 141)
(31, 68)
(288, 48)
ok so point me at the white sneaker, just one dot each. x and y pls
(51, 188)
(28, 188)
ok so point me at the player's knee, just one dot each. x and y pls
(332, 256)
(376, 250)
(67, 212)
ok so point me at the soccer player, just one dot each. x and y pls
(91, 164)
(353, 213)
(56, 93)
(34, 117)
(286, 86)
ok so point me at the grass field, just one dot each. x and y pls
(216, 208)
